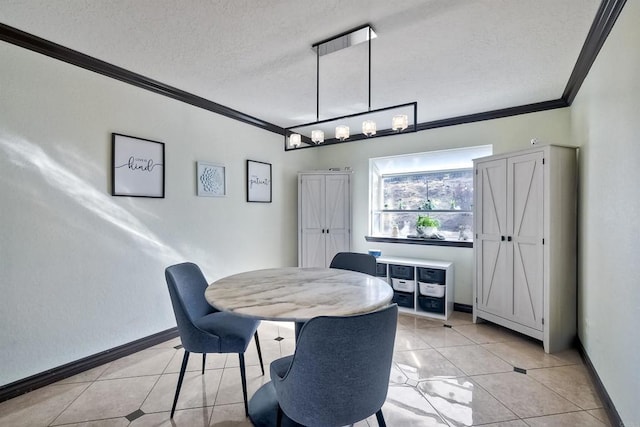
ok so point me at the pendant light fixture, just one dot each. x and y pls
(317, 136)
(399, 122)
(401, 117)
(342, 132)
(369, 127)
(295, 139)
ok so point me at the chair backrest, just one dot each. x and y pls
(340, 370)
(364, 263)
(186, 287)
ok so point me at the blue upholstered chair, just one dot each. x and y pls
(202, 328)
(340, 371)
(364, 263)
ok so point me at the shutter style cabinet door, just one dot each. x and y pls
(324, 217)
(494, 291)
(525, 221)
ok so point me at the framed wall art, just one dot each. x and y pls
(212, 179)
(258, 181)
(138, 167)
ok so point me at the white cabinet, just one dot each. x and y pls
(421, 287)
(525, 245)
(324, 217)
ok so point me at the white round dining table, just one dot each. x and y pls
(298, 294)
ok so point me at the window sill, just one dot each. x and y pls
(428, 242)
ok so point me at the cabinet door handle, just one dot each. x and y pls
(323, 231)
(502, 238)
(327, 231)
(509, 239)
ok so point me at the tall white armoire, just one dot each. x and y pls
(324, 216)
(525, 213)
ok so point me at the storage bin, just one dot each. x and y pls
(431, 275)
(401, 272)
(381, 270)
(403, 285)
(403, 299)
(431, 289)
(431, 304)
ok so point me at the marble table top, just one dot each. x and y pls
(299, 294)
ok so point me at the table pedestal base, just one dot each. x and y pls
(263, 408)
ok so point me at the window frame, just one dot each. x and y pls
(376, 197)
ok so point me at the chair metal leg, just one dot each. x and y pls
(255, 336)
(279, 416)
(204, 358)
(183, 368)
(380, 418)
(243, 375)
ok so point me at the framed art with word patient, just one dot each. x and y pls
(138, 167)
(258, 181)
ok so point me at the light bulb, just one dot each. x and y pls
(317, 136)
(294, 140)
(399, 122)
(369, 127)
(342, 132)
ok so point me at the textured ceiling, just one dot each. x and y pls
(454, 57)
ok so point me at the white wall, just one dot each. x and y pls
(606, 124)
(511, 133)
(82, 271)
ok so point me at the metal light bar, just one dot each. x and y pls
(381, 116)
(348, 128)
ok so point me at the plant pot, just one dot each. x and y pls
(426, 231)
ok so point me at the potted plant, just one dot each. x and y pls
(427, 226)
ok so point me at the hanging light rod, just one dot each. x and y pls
(347, 128)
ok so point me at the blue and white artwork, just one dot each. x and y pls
(212, 180)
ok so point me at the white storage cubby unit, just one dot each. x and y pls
(421, 287)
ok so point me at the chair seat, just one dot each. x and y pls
(235, 332)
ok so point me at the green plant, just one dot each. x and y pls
(427, 221)
(426, 206)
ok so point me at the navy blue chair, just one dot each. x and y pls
(363, 263)
(339, 373)
(202, 328)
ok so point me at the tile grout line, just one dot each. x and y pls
(71, 403)
(586, 411)
(558, 394)
(414, 332)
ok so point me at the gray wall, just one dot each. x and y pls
(82, 271)
(506, 134)
(605, 122)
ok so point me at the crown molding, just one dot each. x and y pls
(494, 114)
(603, 22)
(54, 50)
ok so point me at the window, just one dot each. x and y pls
(437, 184)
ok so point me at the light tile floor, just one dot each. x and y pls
(455, 375)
